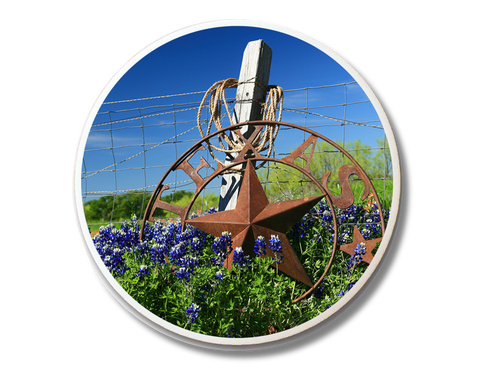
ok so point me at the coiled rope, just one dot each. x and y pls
(234, 144)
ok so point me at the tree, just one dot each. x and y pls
(382, 161)
(123, 206)
(284, 182)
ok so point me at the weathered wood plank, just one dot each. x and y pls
(251, 91)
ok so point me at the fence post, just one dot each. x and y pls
(251, 91)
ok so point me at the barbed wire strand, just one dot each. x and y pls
(137, 154)
(141, 117)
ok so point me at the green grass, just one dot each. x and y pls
(384, 191)
(94, 227)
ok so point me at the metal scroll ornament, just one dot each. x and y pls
(254, 215)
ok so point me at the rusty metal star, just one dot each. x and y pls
(254, 216)
(357, 239)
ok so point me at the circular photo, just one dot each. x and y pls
(237, 184)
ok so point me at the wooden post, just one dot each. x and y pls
(251, 91)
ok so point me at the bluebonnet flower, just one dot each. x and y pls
(360, 250)
(373, 228)
(113, 260)
(366, 232)
(154, 232)
(345, 235)
(178, 253)
(196, 246)
(158, 253)
(170, 234)
(191, 262)
(192, 313)
(350, 286)
(191, 233)
(164, 242)
(232, 331)
(344, 291)
(144, 270)
(353, 214)
(183, 274)
(318, 292)
(326, 217)
(109, 245)
(240, 259)
(185, 264)
(305, 224)
(276, 246)
(260, 247)
(211, 210)
(141, 249)
(356, 258)
(221, 246)
(130, 233)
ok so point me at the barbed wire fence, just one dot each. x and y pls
(133, 142)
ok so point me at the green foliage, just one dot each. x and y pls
(284, 182)
(123, 206)
(245, 303)
(115, 208)
(242, 302)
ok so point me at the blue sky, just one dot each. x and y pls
(193, 63)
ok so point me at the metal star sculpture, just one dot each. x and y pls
(254, 216)
(357, 239)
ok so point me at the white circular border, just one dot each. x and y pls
(190, 337)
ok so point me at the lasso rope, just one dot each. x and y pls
(234, 144)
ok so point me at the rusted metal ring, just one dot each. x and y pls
(339, 201)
